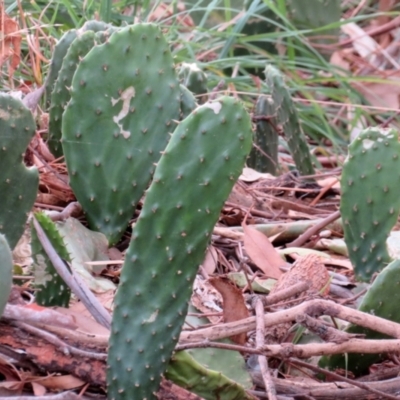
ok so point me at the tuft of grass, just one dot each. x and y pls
(232, 43)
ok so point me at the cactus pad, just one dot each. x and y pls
(124, 100)
(52, 290)
(192, 180)
(288, 119)
(18, 184)
(193, 78)
(60, 95)
(59, 53)
(6, 269)
(381, 300)
(265, 137)
(370, 201)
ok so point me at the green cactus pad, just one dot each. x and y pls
(288, 119)
(193, 77)
(192, 180)
(370, 201)
(51, 288)
(186, 372)
(265, 137)
(381, 300)
(6, 269)
(96, 26)
(188, 102)
(124, 100)
(60, 95)
(18, 184)
(59, 53)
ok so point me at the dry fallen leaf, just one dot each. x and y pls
(234, 306)
(210, 261)
(10, 42)
(262, 252)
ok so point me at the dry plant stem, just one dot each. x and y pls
(330, 391)
(286, 350)
(322, 193)
(314, 229)
(285, 294)
(62, 346)
(313, 308)
(325, 332)
(342, 378)
(262, 360)
(60, 396)
(76, 284)
(45, 316)
(276, 202)
(72, 209)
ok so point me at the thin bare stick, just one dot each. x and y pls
(262, 360)
(314, 229)
(342, 378)
(76, 284)
(61, 345)
(315, 307)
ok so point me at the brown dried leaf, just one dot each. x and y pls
(211, 260)
(262, 252)
(10, 42)
(62, 382)
(234, 305)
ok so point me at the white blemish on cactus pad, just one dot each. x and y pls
(367, 143)
(215, 106)
(152, 318)
(125, 97)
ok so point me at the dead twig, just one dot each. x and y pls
(262, 360)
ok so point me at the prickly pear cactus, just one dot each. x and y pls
(95, 26)
(60, 95)
(60, 50)
(370, 200)
(6, 269)
(125, 98)
(51, 288)
(188, 102)
(18, 184)
(186, 372)
(381, 300)
(265, 137)
(192, 180)
(193, 78)
(288, 119)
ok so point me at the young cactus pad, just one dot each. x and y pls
(125, 98)
(59, 53)
(370, 200)
(188, 102)
(18, 184)
(60, 95)
(288, 119)
(52, 290)
(381, 300)
(6, 269)
(194, 177)
(265, 137)
(193, 78)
